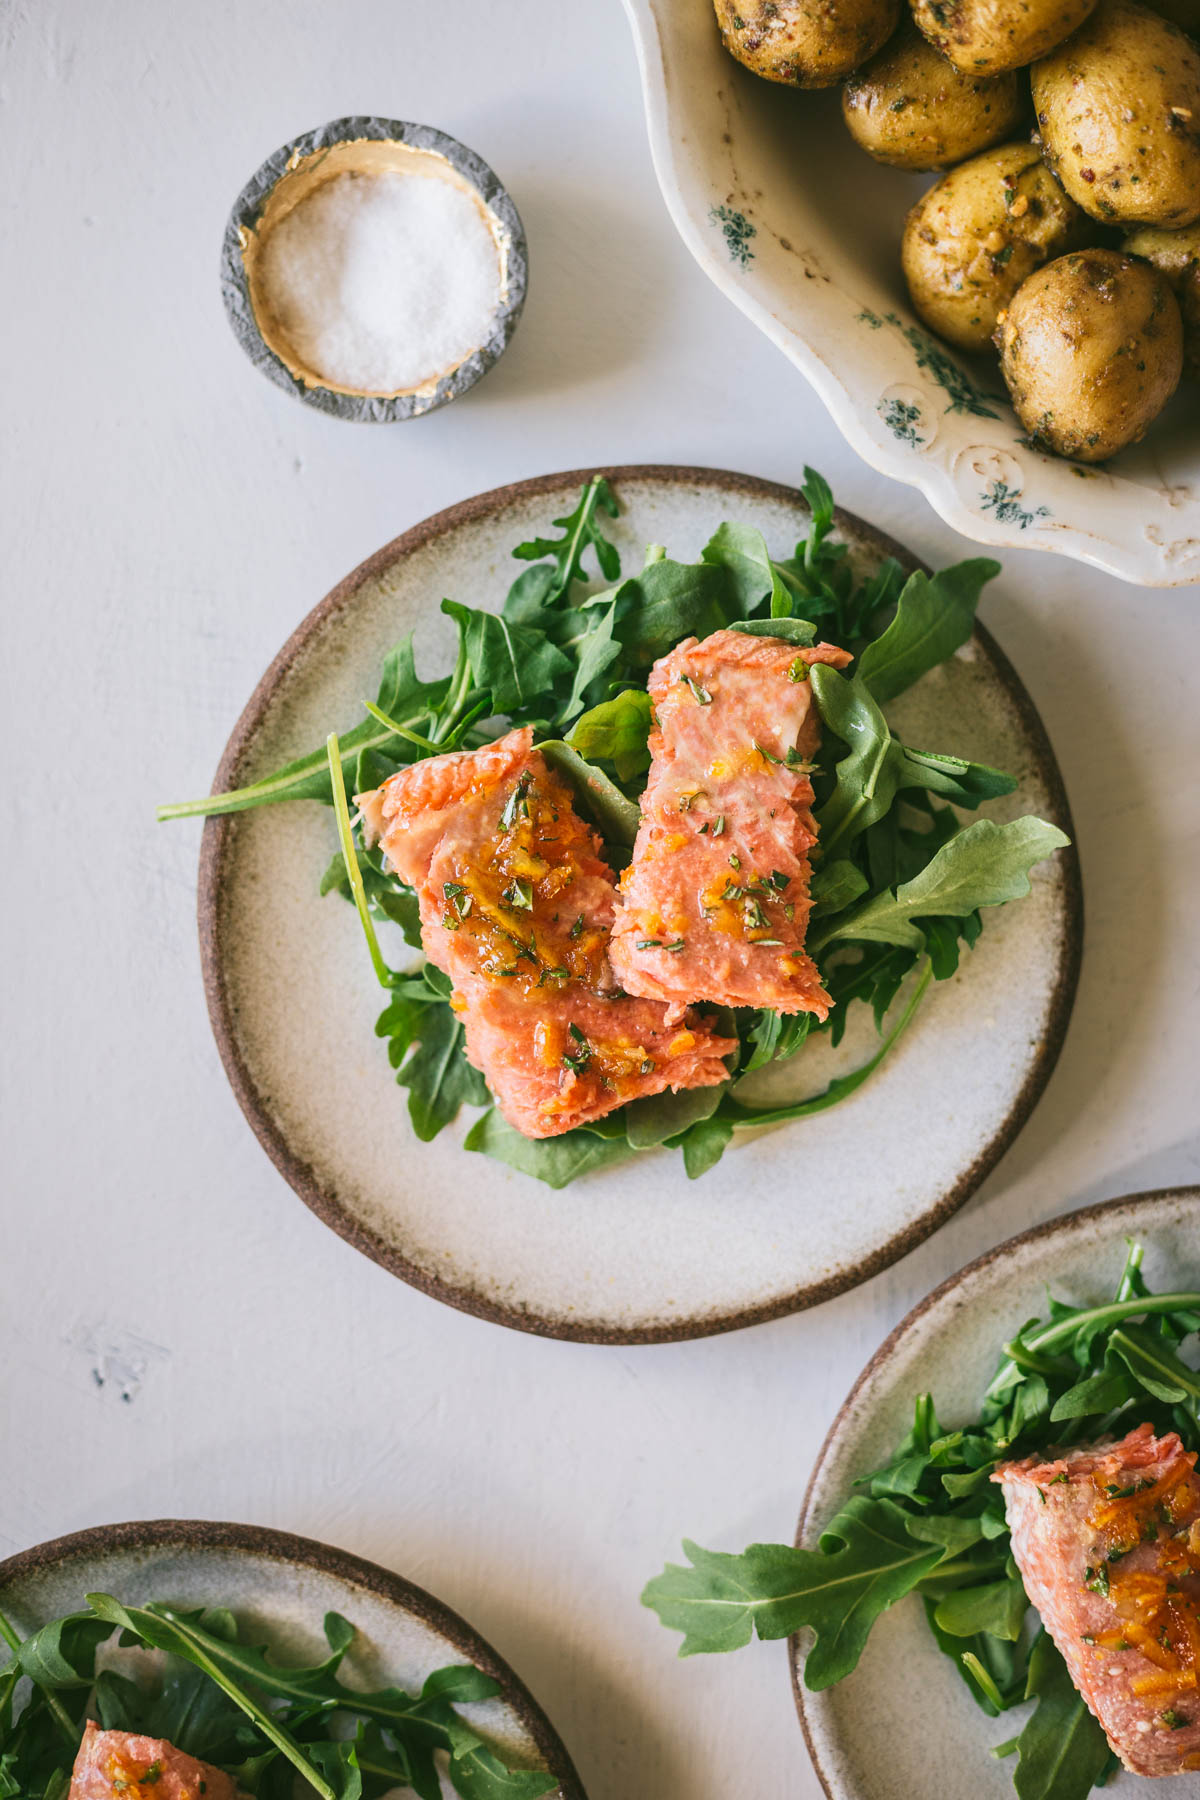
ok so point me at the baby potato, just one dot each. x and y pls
(1118, 109)
(1176, 256)
(805, 43)
(1092, 350)
(909, 107)
(986, 37)
(978, 233)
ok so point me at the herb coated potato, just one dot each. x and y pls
(909, 107)
(986, 37)
(805, 43)
(1176, 256)
(1118, 109)
(1092, 350)
(978, 233)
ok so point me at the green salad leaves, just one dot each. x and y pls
(898, 882)
(232, 1704)
(931, 1522)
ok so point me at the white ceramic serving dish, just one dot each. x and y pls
(802, 231)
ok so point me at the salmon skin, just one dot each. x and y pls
(715, 905)
(516, 907)
(121, 1765)
(1107, 1540)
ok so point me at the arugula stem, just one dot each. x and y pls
(346, 836)
(402, 731)
(1065, 1329)
(459, 693)
(259, 1714)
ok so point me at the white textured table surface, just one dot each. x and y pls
(179, 1336)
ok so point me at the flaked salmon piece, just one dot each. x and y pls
(516, 906)
(715, 905)
(1108, 1544)
(122, 1765)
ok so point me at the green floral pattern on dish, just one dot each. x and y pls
(1005, 503)
(902, 418)
(965, 396)
(737, 231)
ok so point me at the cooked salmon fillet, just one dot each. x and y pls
(1108, 1544)
(516, 906)
(121, 1765)
(715, 905)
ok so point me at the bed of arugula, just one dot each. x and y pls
(898, 881)
(232, 1704)
(931, 1523)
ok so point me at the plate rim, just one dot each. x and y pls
(311, 1553)
(1062, 1223)
(215, 847)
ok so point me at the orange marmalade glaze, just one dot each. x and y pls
(1159, 1607)
(129, 1782)
(512, 896)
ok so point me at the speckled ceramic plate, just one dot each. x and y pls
(868, 1737)
(283, 1586)
(637, 1253)
(801, 229)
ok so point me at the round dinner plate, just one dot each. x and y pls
(637, 1253)
(903, 1723)
(281, 1587)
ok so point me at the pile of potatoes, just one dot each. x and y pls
(1074, 249)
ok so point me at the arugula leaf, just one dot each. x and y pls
(581, 530)
(658, 1117)
(515, 663)
(1062, 1751)
(478, 1774)
(835, 885)
(557, 1161)
(789, 631)
(867, 1561)
(935, 616)
(984, 865)
(614, 816)
(879, 766)
(741, 550)
(995, 1607)
(179, 1636)
(703, 1145)
(437, 1074)
(616, 732)
(62, 1655)
(669, 601)
(1153, 1365)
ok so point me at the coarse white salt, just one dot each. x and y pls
(384, 282)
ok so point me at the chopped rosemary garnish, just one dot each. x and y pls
(516, 802)
(675, 947)
(577, 927)
(700, 694)
(798, 670)
(719, 825)
(519, 893)
(735, 862)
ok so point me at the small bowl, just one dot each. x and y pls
(361, 146)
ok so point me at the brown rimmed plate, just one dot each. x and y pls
(903, 1723)
(639, 1254)
(282, 1586)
